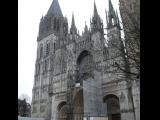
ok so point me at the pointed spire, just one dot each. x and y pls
(118, 23)
(106, 16)
(73, 26)
(73, 21)
(85, 28)
(110, 5)
(55, 9)
(95, 23)
(112, 17)
(95, 9)
(65, 18)
(107, 21)
(111, 11)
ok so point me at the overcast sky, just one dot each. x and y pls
(29, 15)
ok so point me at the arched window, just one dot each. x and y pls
(48, 49)
(38, 68)
(85, 65)
(55, 24)
(105, 53)
(54, 47)
(45, 65)
(41, 51)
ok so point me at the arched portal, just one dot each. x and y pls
(113, 107)
(84, 65)
(78, 106)
(62, 111)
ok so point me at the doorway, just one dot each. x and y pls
(113, 107)
(62, 111)
(78, 106)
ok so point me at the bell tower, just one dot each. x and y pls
(52, 28)
(96, 22)
(115, 44)
(97, 31)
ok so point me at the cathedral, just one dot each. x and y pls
(75, 75)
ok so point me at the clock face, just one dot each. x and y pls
(97, 42)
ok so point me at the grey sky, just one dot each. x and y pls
(29, 15)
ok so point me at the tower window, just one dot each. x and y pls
(54, 47)
(41, 51)
(55, 24)
(45, 65)
(38, 68)
(48, 49)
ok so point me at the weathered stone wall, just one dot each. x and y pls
(92, 92)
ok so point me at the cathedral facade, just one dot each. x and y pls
(75, 75)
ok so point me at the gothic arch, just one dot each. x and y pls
(82, 55)
(110, 95)
(84, 65)
(83, 51)
(48, 47)
(41, 51)
(113, 107)
(62, 111)
(60, 105)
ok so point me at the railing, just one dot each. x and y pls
(29, 118)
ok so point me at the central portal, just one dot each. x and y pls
(78, 106)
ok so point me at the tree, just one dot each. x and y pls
(26, 97)
(131, 51)
(24, 108)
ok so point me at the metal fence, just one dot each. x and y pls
(29, 118)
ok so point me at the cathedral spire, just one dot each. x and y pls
(106, 16)
(73, 21)
(95, 14)
(85, 28)
(73, 26)
(55, 9)
(112, 18)
(118, 23)
(110, 6)
(96, 23)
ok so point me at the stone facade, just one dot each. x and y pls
(75, 75)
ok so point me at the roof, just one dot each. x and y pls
(55, 9)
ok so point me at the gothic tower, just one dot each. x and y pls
(53, 28)
(115, 44)
(115, 78)
(97, 31)
(113, 32)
